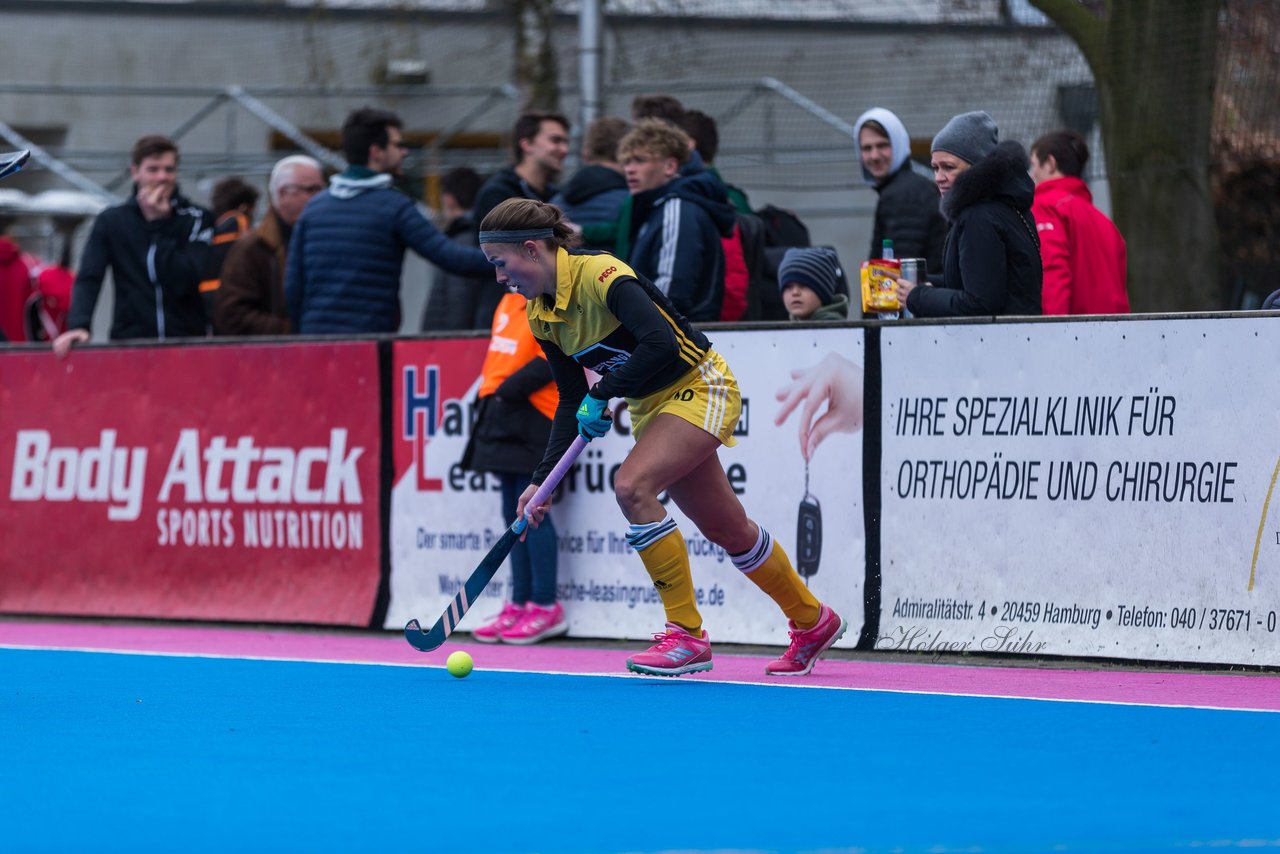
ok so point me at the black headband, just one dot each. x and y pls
(520, 236)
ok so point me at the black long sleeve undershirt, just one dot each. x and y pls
(571, 383)
(656, 345)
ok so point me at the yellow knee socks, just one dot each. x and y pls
(769, 568)
(663, 552)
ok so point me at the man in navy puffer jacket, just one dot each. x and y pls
(347, 248)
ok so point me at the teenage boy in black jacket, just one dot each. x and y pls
(158, 247)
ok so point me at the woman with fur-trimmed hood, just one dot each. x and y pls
(991, 265)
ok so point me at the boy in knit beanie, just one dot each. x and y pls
(808, 278)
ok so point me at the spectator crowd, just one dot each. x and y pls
(999, 230)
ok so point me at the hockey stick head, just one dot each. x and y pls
(470, 593)
(13, 161)
(475, 585)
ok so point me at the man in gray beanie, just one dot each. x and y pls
(808, 277)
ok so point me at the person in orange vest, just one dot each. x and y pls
(517, 402)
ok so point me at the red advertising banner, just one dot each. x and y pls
(195, 482)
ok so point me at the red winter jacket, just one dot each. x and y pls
(1082, 251)
(15, 287)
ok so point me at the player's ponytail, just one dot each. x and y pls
(517, 219)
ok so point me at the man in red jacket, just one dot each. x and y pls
(1082, 251)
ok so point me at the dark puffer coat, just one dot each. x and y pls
(991, 265)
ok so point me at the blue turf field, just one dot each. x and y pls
(110, 752)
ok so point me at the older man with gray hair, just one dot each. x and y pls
(251, 300)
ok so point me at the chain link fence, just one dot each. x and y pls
(785, 79)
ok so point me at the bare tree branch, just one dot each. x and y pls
(1079, 20)
(536, 70)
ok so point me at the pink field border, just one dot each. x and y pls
(1137, 687)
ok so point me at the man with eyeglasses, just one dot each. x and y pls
(347, 249)
(251, 299)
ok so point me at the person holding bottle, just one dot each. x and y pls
(907, 211)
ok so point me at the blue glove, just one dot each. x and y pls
(593, 422)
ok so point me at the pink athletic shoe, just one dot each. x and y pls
(491, 632)
(808, 644)
(537, 623)
(675, 653)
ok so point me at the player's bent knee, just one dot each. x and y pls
(627, 492)
(633, 493)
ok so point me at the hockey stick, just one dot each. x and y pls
(12, 162)
(479, 580)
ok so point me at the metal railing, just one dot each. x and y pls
(235, 98)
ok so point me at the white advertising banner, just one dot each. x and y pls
(1082, 489)
(444, 520)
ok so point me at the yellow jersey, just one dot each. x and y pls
(581, 321)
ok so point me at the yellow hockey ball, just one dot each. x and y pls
(459, 664)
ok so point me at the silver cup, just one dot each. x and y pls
(913, 270)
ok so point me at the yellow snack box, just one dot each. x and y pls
(879, 288)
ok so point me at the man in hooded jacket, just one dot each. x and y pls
(595, 193)
(908, 212)
(678, 219)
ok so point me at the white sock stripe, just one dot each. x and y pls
(644, 543)
(636, 529)
(756, 555)
(642, 536)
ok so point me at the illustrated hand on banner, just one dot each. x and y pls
(835, 381)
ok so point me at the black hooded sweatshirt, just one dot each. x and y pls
(677, 241)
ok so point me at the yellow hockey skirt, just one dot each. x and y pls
(707, 397)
